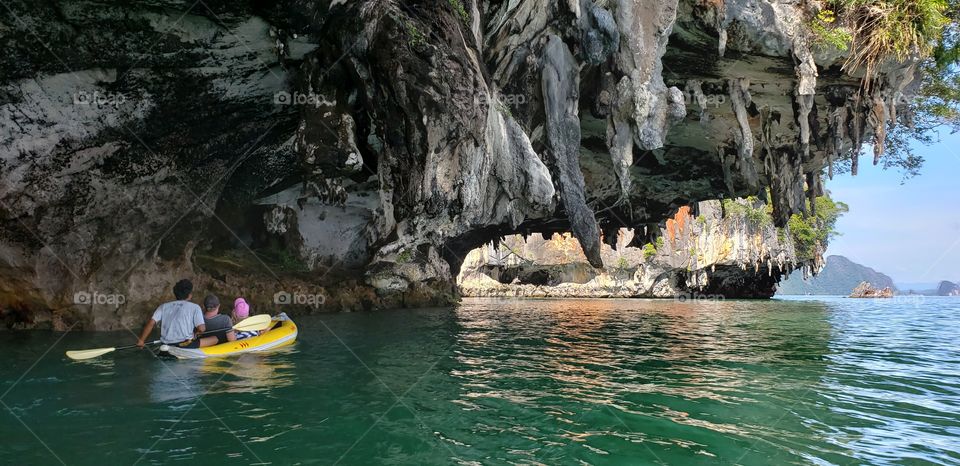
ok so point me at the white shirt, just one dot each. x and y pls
(177, 320)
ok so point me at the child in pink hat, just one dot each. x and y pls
(241, 310)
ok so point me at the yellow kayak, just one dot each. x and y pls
(283, 333)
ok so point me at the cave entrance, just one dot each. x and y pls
(541, 260)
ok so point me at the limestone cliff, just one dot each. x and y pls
(357, 150)
(710, 255)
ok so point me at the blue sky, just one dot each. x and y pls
(909, 231)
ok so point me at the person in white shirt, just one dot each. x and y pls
(181, 321)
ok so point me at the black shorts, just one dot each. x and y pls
(221, 337)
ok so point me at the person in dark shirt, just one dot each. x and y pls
(220, 325)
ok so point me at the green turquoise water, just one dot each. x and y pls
(834, 381)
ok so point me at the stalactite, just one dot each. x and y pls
(725, 164)
(805, 104)
(856, 131)
(560, 94)
(720, 19)
(694, 89)
(787, 187)
(812, 192)
(767, 118)
(878, 121)
(620, 142)
(838, 133)
(768, 165)
(610, 236)
(805, 91)
(722, 42)
(740, 99)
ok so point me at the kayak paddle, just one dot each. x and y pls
(255, 323)
(92, 353)
(250, 324)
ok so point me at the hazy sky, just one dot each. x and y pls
(908, 231)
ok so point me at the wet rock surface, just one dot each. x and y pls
(360, 149)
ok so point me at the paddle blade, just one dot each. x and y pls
(89, 353)
(255, 323)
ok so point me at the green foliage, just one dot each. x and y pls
(404, 256)
(649, 250)
(659, 242)
(288, 261)
(415, 37)
(813, 232)
(731, 206)
(461, 11)
(758, 216)
(897, 29)
(947, 51)
(504, 109)
(702, 220)
(622, 263)
(829, 34)
(781, 235)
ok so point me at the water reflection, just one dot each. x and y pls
(176, 380)
(251, 373)
(630, 364)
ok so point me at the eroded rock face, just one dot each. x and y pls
(359, 149)
(700, 253)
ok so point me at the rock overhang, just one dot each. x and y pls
(416, 115)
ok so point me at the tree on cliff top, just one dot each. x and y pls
(900, 30)
(811, 233)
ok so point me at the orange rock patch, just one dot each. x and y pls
(676, 224)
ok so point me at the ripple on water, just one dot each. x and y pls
(522, 382)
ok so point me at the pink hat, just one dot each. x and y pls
(241, 308)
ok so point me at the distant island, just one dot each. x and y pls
(944, 288)
(948, 289)
(838, 278)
